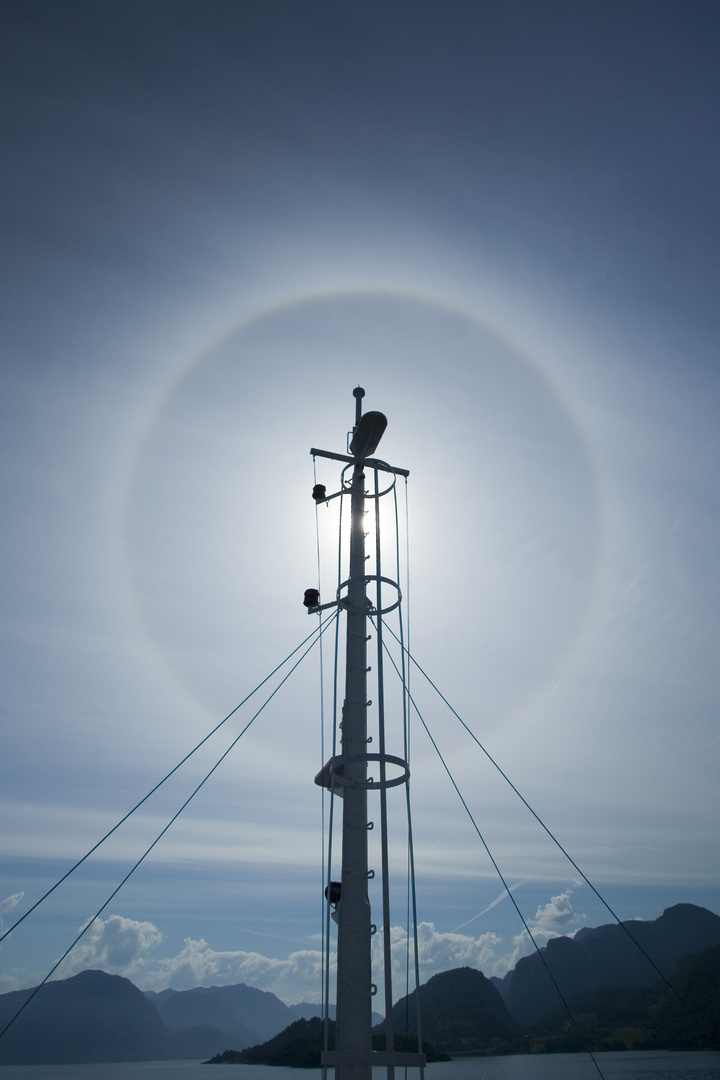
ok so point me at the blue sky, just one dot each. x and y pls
(500, 219)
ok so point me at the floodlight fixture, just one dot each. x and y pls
(367, 434)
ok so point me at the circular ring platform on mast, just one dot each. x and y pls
(366, 578)
(332, 774)
(372, 464)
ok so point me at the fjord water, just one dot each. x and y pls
(642, 1065)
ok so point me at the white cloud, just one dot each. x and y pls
(558, 913)
(8, 904)
(551, 920)
(437, 951)
(120, 945)
(116, 945)
(298, 978)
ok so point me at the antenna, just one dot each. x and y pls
(358, 394)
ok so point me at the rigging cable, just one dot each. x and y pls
(387, 947)
(500, 875)
(322, 722)
(157, 839)
(539, 820)
(331, 815)
(405, 678)
(406, 755)
(154, 789)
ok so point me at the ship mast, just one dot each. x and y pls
(346, 774)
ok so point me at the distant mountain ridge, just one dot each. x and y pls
(606, 957)
(642, 1017)
(91, 1017)
(248, 1014)
(96, 1017)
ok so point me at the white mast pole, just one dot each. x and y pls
(354, 974)
(347, 775)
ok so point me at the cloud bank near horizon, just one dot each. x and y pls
(127, 946)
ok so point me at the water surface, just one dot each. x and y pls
(643, 1065)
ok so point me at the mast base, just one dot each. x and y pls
(373, 1057)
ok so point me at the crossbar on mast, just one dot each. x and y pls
(371, 463)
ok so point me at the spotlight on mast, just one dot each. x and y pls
(367, 434)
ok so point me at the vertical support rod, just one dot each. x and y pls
(354, 975)
(387, 944)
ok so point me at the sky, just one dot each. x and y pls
(500, 219)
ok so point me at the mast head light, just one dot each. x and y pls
(367, 434)
(319, 493)
(312, 598)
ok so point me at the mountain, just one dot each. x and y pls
(692, 1020)
(306, 1010)
(642, 1017)
(606, 957)
(91, 1017)
(248, 1015)
(460, 1011)
(190, 1009)
(96, 1017)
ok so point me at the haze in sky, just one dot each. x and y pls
(500, 219)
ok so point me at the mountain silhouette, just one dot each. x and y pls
(248, 1014)
(686, 1017)
(91, 1017)
(606, 957)
(96, 1017)
(460, 1011)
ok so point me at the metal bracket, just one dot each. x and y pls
(322, 607)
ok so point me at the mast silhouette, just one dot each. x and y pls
(347, 776)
